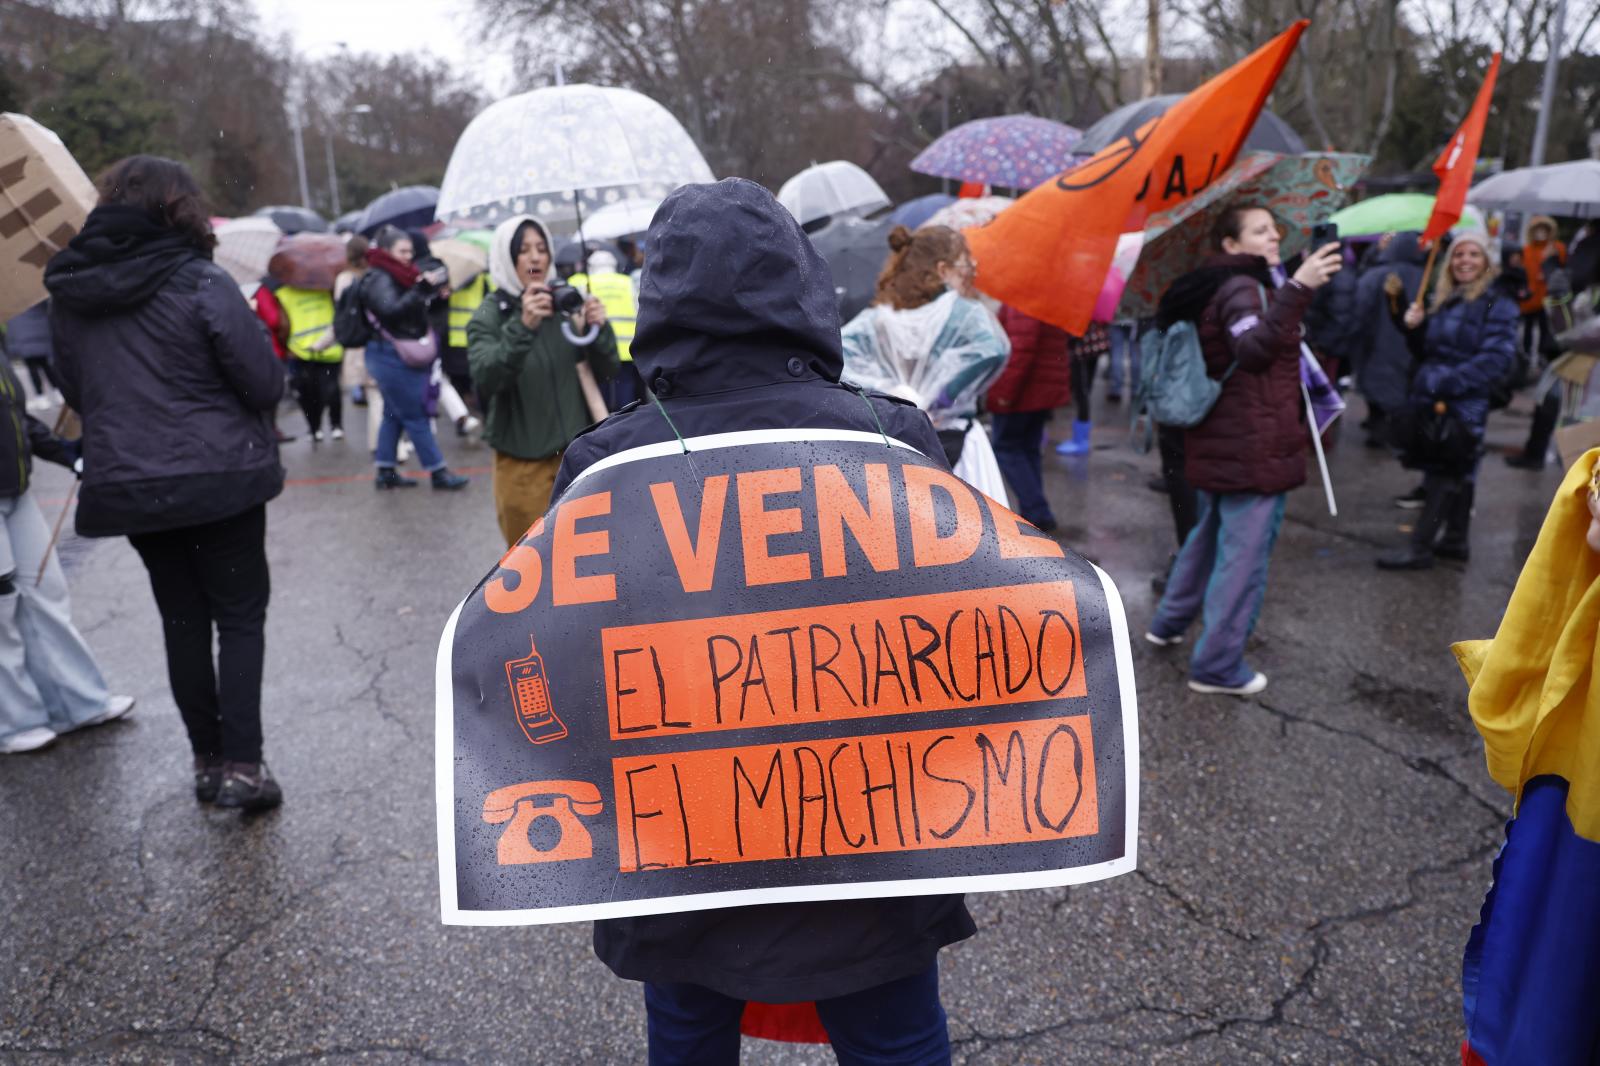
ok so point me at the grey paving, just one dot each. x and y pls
(1310, 860)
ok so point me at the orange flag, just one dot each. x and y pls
(1459, 159)
(1048, 254)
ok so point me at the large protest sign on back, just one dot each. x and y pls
(782, 666)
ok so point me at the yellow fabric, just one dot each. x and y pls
(463, 302)
(310, 313)
(1535, 688)
(615, 293)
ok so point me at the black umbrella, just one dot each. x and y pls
(1269, 134)
(570, 257)
(349, 222)
(407, 208)
(293, 219)
(856, 249)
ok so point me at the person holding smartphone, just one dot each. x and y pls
(1250, 450)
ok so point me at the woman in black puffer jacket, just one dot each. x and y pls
(176, 382)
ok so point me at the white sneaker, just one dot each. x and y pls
(116, 707)
(337, 434)
(316, 436)
(27, 740)
(1249, 688)
(467, 424)
(1162, 642)
(405, 451)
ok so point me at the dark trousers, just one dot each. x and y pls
(318, 387)
(204, 577)
(897, 1024)
(40, 374)
(1180, 494)
(1447, 506)
(1018, 442)
(1545, 417)
(1082, 382)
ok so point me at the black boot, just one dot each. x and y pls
(1418, 555)
(444, 479)
(390, 478)
(1457, 526)
(249, 786)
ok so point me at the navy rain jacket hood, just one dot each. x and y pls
(730, 279)
(739, 330)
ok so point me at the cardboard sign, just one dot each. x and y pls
(788, 665)
(44, 198)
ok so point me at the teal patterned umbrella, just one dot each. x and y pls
(1301, 190)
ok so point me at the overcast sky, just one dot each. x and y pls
(444, 27)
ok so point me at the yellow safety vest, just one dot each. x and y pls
(463, 302)
(310, 314)
(615, 293)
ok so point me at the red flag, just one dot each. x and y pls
(1048, 254)
(1459, 159)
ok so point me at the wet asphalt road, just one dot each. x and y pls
(1311, 859)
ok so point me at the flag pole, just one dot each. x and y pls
(1427, 276)
(1322, 458)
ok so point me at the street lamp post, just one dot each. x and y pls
(333, 173)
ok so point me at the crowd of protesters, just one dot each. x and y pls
(178, 378)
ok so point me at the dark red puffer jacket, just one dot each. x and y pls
(1038, 376)
(1255, 438)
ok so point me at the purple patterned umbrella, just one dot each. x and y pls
(1016, 151)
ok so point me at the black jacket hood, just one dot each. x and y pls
(120, 258)
(732, 292)
(1186, 298)
(1404, 247)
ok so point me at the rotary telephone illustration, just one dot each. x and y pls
(543, 817)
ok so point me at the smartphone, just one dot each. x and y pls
(1324, 233)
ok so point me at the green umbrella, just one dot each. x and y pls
(1394, 212)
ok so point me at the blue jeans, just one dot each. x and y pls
(404, 390)
(897, 1024)
(1018, 441)
(48, 677)
(1221, 576)
(1122, 340)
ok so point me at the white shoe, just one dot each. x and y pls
(27, 740)
(337, 434)
(467, 424)
(316, 436)
(1162, 642)
(116, 707)
(405, 451)
(1249, 688)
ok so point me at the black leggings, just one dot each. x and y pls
(204, 577)
(319, 391)
(1180, 494)
(1082, 382)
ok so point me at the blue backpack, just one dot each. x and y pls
(1174, 388)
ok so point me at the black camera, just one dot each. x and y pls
(566, 299)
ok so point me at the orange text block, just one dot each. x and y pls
(984, 647)
(1007, 783)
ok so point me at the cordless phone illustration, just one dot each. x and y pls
(530, 695)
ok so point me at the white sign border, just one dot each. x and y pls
(444, 764)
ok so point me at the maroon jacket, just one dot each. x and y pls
(1255, 438)
(1038, 376)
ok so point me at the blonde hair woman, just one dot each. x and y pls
(1466, 344)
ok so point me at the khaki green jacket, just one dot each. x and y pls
(528, 379)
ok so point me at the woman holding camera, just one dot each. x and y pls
(396, 296)
(525, 371)
(1466, 345)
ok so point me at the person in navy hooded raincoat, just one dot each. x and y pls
(739, 330)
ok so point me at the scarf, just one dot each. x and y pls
(503, 259)
(404, 274)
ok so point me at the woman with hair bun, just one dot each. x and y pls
(926, 339)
